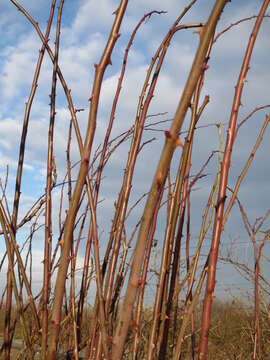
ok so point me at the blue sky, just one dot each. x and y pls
(85, 28)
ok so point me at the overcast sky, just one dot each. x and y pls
(86, 25)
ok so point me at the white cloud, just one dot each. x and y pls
(9, 129)
(93, 17)
(76, 62)
(12, 162)
(17, 69)
(37, 270)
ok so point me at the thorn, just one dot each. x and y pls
(199, 31)
(132, 323)
(111, 340)
(61, 242)
(179, 142)
(116, 11)
(116, 36)
(167, 134)
(159, 177)
(86, 156)
(205, 66)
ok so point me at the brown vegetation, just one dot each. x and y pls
(231, 335)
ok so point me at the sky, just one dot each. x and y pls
(85, 27)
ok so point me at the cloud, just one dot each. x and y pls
(103, 15)
(18, 66)
(37, 272)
